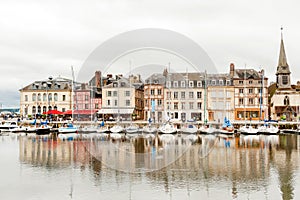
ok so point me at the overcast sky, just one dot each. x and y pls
(39, 39)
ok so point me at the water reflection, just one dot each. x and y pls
(244, 165)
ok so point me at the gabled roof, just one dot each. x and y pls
(247, 74)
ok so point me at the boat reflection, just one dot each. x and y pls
(245, 163)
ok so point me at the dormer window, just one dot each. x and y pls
(175, 84)
(191, 84)
(182, 84)
(199, 83)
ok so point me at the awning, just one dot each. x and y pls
(80, 112)
(53, 112)
(116, 111)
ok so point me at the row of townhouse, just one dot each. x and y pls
(240, 94)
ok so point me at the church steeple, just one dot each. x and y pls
(283, 71)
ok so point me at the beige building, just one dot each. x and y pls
(41, 96)
(220, 98)
(250, 94)
(123, 99)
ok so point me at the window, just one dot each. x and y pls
(152, 92)
(33, 109)
(159, 92)
(191, 95)
(241, 82)
(191, 83)
(96, 106)
(220, 82)
(259, 90)
(251, 101)
(44, 108)
(168, 105)
(182, 95)
(176, 106)
(284, 80)
(86, 97)
(159, 102)
(116, 102)
(251, 82)
(64, 97)
(228, 82)
(127, 93)
(33, 97)
(168, 84)
(168, 95)
(259, 82)
(55, 97)
(127, 102)
(26, 97)
(86, 106)
(199, 84)
(199, 95)
(250, 91)
(182, 105)
(213, 82)
(39, 97)
(199, 105)
(286, 101)
(108, 102)
(175, 84)
(241, 91)
(191, 105)
(50, 97)
(109, 93)
(175, 95)
(183, 84)
(241, 101)
(115, 93)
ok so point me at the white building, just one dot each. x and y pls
(184, 97)
(123, 99)
(49, 94)
(285, 101)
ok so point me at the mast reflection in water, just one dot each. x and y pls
(174, 167)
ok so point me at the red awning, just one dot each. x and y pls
(80, 112)
(53, 112)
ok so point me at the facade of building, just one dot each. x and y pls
(285, 101)
(42, 96)
(220, 95)
(154, 98)
(250, 94)
(184, 97)
(120, 98)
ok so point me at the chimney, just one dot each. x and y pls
(231, 69)
(98, 79)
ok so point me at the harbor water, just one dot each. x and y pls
(97, 166)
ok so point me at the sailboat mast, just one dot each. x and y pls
(261, 93)
(244, 95)
(205, 86)
(72, 93)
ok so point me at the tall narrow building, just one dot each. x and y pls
(283, 79)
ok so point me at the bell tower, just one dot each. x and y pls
(283, 78)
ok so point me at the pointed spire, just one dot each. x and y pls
(283, 66)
